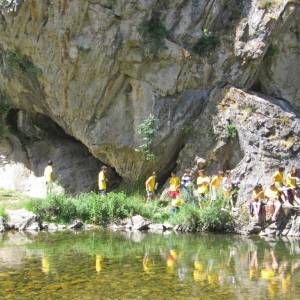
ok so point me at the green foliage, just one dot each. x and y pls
(266, 4)
(153, 33)
(206, 43)
(146, 131)
(248, 108)
(91, 207)
(232, 131)
(3, 212)
(211, 216)
(16, 60)
(271, 52)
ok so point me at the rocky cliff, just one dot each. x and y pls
(184, 69)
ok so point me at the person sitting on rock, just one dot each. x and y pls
(174, 186)
(274, 204)
(256, 206)
(278, 177)
(151, 186)
(102, 180)
(292, 184)
(49, 177)
(216, 186)
(202, 185)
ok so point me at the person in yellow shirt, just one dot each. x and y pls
(102, 180)
(216, 185)
(202, 184)
(174, 186)
(151, 186)
(274, 204)
(278, 177)
(49, 176)
(292, 184)
(257, 203)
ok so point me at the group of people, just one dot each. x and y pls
(283, 190)
(200, 186)
(265, 203)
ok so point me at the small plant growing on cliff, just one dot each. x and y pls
(266, 4)
(232, 131)
(146, 130)
(16, 60)
(153, 33)
(207, 42)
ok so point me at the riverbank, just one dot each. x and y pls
(120, 211)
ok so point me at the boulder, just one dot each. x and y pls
(3, 225)
(21, 219)
(76, 225)
(157, 228)
(138, 223)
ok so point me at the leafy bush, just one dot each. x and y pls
(3, 212)
(146, 130)
(265, 4)
(232, 131)
(206, 42)
(16, 60)
(91, 207)
(210, 216)
(153, 33)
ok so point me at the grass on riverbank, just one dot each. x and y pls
(12, 199)
(92, 208)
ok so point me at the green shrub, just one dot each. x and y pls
(210, 216)
(232, 131)
(91, 207)
(3, 212)
(206, 43)
(146, 131)
(266, 4)
(214, 216)
(153, 33)
(16, 60)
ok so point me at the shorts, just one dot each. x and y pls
(173, 194)
(150, 194)
(102, 192)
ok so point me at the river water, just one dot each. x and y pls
(104, 265)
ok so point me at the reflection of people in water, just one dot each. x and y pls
(253, 264)
(45, 264)
(147, 263)
(99, 263)
(199, 273)
(171, 260)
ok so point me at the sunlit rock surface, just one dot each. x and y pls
(91, 67)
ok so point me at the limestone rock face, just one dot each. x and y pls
(100, 68)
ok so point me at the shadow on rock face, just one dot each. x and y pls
(37, 139)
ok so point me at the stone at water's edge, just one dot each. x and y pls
(3, 225)
(22, 219)
(137, 222)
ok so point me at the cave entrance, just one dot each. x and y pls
(35, 139)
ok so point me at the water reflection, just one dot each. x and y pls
(172, 266)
